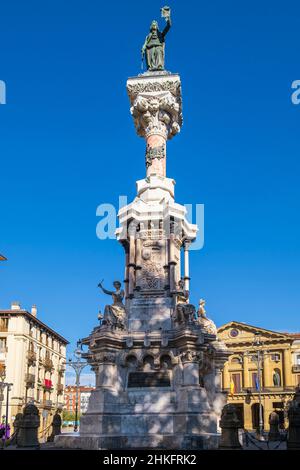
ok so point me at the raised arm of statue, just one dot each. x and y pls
(167, 27)
(109, 292)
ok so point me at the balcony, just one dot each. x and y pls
(61, 370)
(31, 356)
(60, 389)
(48, 364)
(30, 380)
(47, 404)
(253, 390)
(47, 384)
(296, 368)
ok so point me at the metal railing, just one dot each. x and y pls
(48, 364)
(30, 379)
(31, 356)
(47, 404)
(253, 390)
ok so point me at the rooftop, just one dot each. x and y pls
(35, 320)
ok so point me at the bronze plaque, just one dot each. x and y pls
(149, 379)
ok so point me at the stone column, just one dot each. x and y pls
(131, 265)
(156, 110)
(172, 263)
(247, 415)
(246, 381)
(156, 155)
(226, 379)
(267, 372)
(190, 367)
(186, 247)
(218, 379)
(267, 404)
(287, 369)
(264, 372)
(126, 280)
(138, 262)
(106, 375)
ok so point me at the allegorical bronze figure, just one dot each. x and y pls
(154, 45)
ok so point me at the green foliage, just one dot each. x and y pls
(69, 415)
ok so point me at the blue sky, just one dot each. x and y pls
(67, 144)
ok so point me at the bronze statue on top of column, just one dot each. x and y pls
(154, 45)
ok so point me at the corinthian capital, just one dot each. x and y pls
(156, 105)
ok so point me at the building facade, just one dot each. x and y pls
(33, 357)
(84, 394)
(274, 379)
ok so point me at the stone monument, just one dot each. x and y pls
(157, 361)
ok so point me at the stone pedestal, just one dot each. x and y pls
(230, 425)
(274, 434)
(156, 379)
(293, 438)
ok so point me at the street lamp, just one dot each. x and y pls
(2, 378)
(78, 365)
(259, 356)
(8, 388)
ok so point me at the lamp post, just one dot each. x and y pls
(2, 377)
(78, 365)
(259, 356)
(8, 388)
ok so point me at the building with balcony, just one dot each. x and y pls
(279, 371)
(33, 356)
(84, 394)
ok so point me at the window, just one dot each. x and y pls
(2, 344)
(255, 382)
(275, 357)
(298, 360)
(298, 380)
(234, 333)
(236, 379)
(3, 324)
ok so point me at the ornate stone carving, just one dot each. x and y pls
(115, 314)
(184, 314)
(106, 357)
(151, 275)
(207, 324)
(191, 356)
(157, 114)
(154, 152)
(147, 86)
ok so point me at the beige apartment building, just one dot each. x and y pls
(33, 357)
